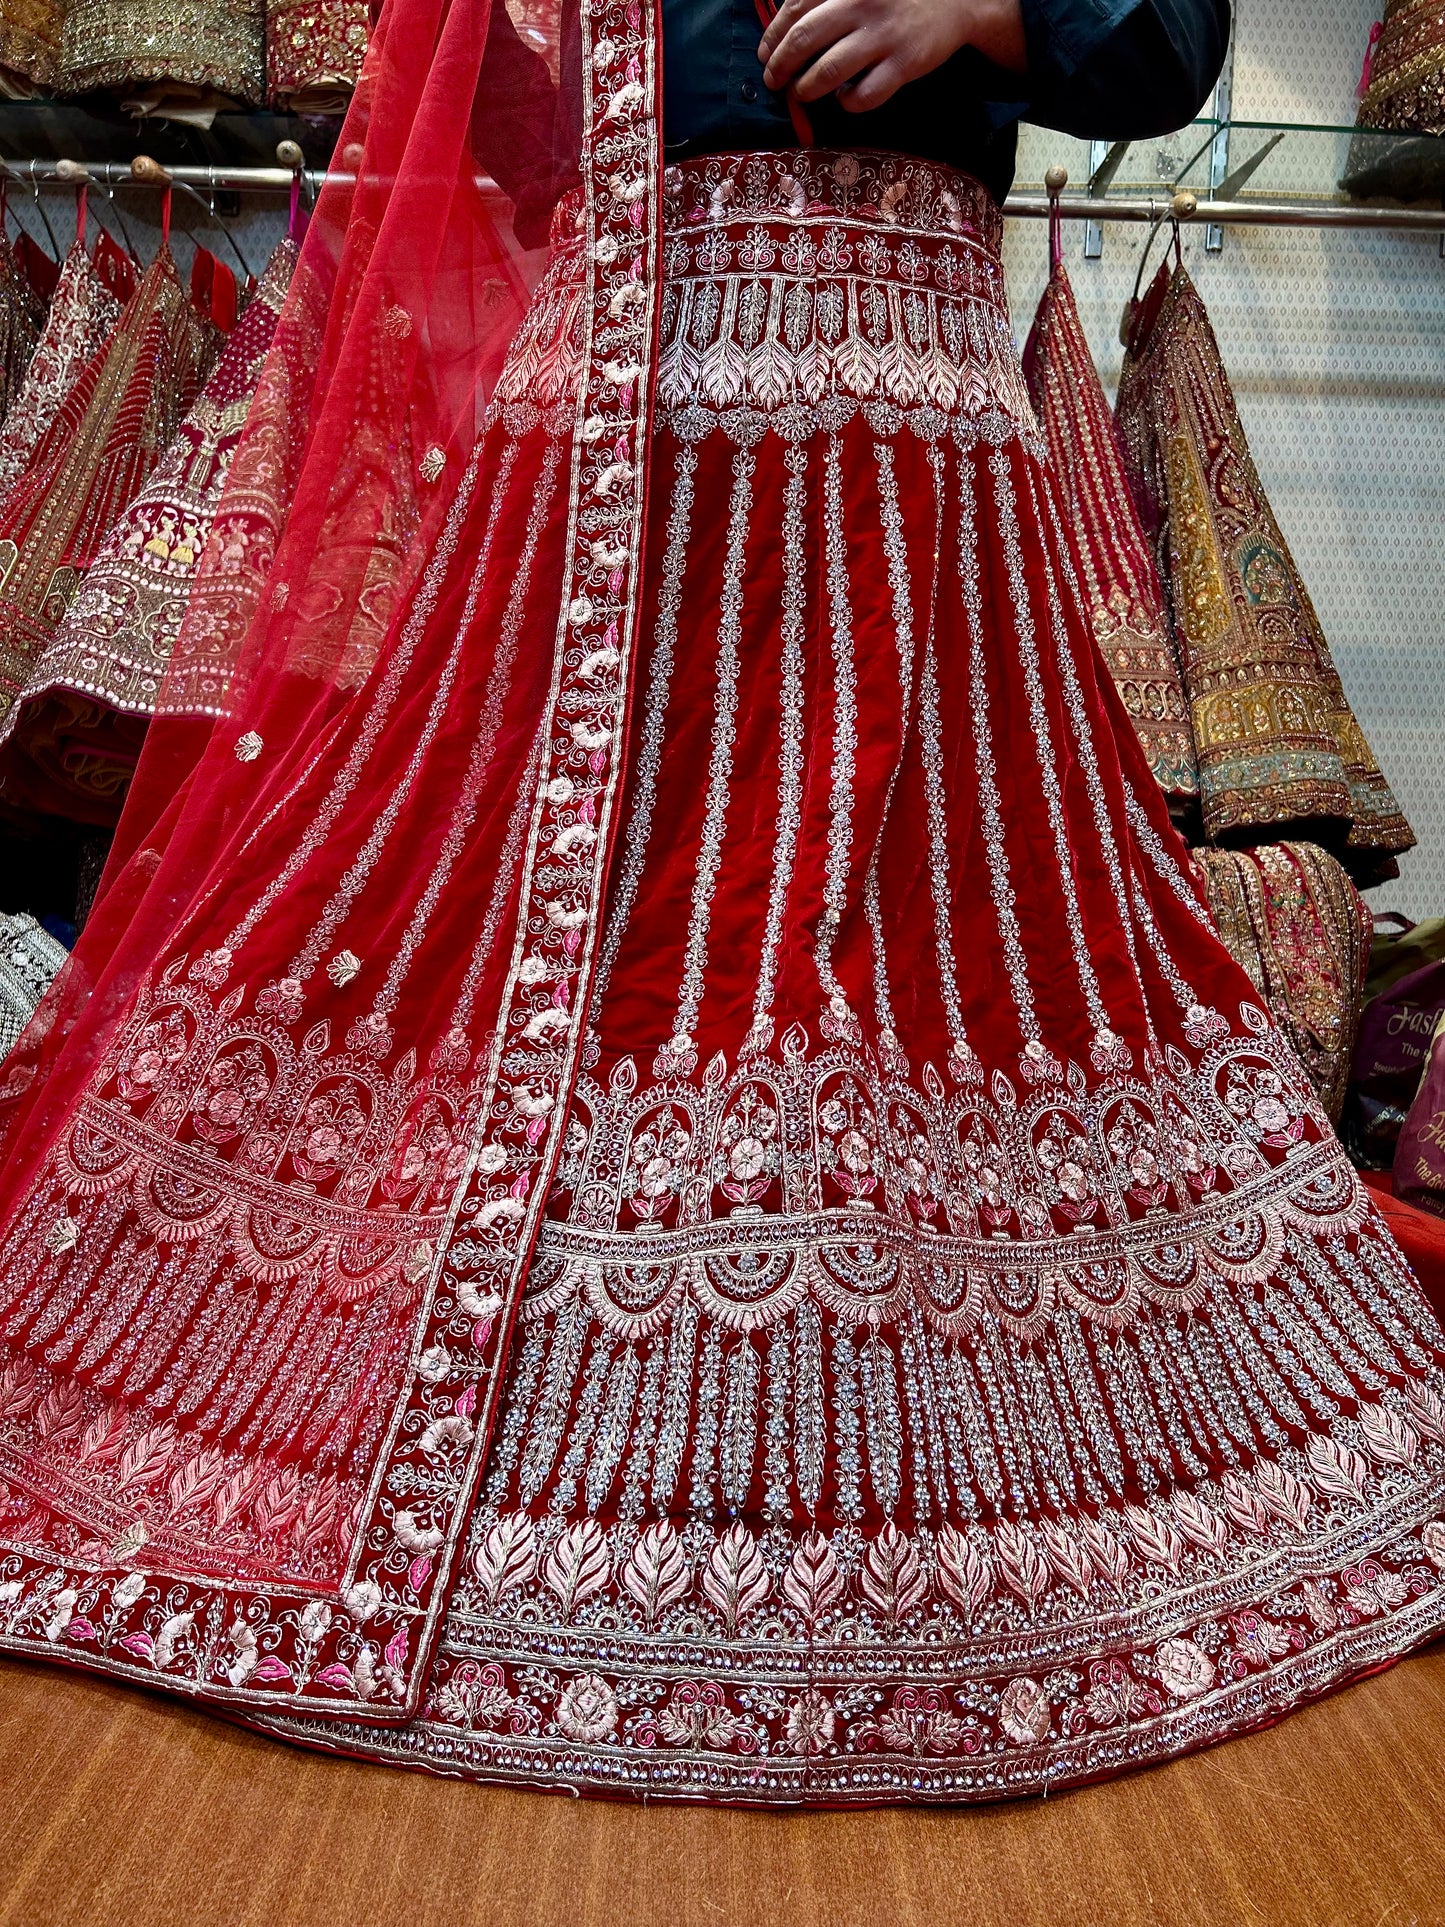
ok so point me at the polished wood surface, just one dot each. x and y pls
(120, 1808)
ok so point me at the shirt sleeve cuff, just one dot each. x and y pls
(1061, 35)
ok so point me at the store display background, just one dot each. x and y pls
(1335, 343)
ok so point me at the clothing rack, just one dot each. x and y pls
(1144, 209)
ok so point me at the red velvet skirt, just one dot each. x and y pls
(957, 1359)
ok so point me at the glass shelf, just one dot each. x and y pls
(1297, 160)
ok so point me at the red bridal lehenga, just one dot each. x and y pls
(652, 1179)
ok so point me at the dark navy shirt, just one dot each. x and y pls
(1101, 69)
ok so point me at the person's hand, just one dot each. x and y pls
(865, 50)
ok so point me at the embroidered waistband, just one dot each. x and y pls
(865, 188)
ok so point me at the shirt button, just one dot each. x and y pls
(749, 91)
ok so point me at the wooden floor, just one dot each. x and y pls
(120, 1808)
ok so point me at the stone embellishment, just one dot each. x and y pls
(248, 747)
(64, 1235)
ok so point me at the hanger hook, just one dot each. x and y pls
(1056, 180)
(40, 210)
(109, 191)
(1183, 207)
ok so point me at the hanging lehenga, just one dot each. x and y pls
(92, 290)
(112, 646)
(21, 317)
(96, 453)
(1121, 585)
(1280, 751)
(651, 1178)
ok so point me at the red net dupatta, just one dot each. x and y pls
(260, 1258)
(1119, 581)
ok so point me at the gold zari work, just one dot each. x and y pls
(1407, 84)
(1276, 740)
(198, 48)
(29, 46)
(314, 51)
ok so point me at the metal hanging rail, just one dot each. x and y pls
(1144, 209)
(1153, 209)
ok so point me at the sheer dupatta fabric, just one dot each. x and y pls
(278, 1141)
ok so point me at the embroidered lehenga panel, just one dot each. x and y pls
(83, 311)
(783, 1265)
(21, 316)
(1276, 740)
(1406, 90)
(1120, 582)
(30, 33)
(1298, 927)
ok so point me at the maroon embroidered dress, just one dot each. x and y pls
(688, 1203)
(21, 317)
(84, 309)
(1119, 580)
(1297, 926)
(314, 51)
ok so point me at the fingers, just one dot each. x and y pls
(832, 71)
(787, 16)
(879, 84)
(813, 28)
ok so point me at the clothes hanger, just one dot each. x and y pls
(79, 174)
(143, 168)
(1182, 207)
(10, 174)
(1056, 180)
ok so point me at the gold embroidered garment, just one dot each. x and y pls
(1407, 76)
(314, 51)
(171, 50)
(30, 46)
(1275, 738)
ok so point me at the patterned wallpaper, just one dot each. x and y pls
(1335, 343)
